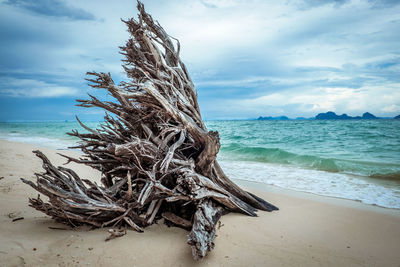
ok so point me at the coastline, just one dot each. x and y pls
(260, 188)
(283, 155)
(308, 230)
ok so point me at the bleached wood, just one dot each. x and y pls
(155, 154)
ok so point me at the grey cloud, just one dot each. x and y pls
(52, 8)
(209, 5)
(298, 57)
(34, 88)
(351, 76)
(384, 3)
(306, 4)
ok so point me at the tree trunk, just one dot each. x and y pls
(155, 154)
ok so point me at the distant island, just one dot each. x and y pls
(280, 118)
(330, 115)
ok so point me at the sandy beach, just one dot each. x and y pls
(308, 230)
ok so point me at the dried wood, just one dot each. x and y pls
(201, 237)
(176, 220)
(155, 154)
(114, 233)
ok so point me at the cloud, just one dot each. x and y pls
(307, 4)
(247, 58)
(312, 101)
(243, 83)
(392, 108)
(52, 8)
(35, 89)
(383, 3)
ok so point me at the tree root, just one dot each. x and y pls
(156, 157)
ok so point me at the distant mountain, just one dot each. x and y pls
(369, 116)
(333, 116)
(330, 115)
(280, 118)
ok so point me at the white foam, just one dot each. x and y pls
(313, 181)
(285, 176)
(37, 140)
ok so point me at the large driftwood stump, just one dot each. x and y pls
(155, 154)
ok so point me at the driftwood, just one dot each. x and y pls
(155, 154)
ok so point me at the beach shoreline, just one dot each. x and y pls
(308, 230)
(262, 188)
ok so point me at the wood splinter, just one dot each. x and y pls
(114, 233)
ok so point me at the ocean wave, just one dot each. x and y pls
(277, 155)
(377, 170)
(38, 140)
(331, 184)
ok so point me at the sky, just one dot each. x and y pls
(247, 58)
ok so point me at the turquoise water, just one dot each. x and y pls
(49, 134)
(357, 160)
(365, 147)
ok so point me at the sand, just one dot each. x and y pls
(308, 230)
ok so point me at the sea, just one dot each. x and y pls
(355, 159)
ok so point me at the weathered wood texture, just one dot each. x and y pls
(155, 154)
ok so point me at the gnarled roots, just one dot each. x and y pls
(155, 154)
